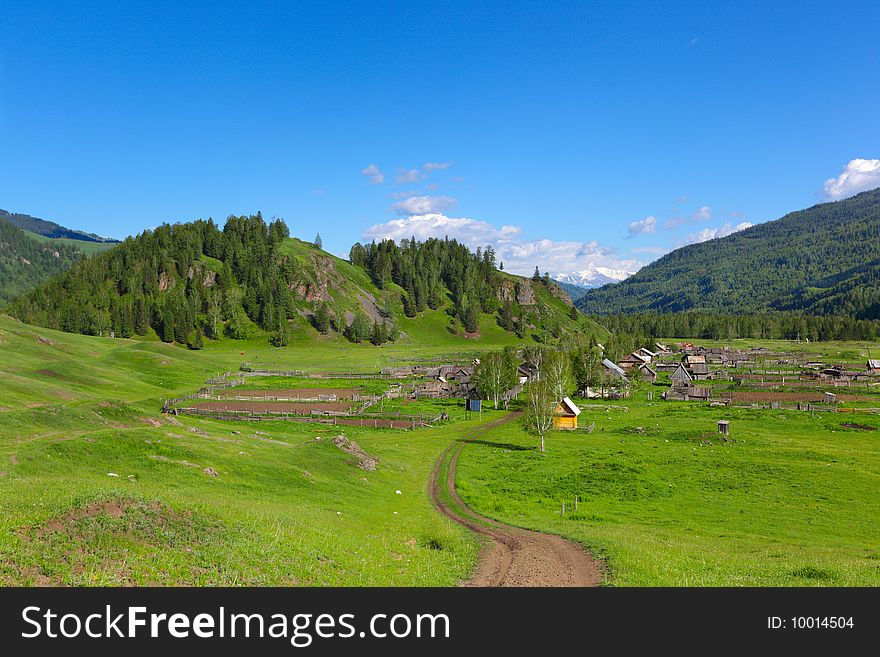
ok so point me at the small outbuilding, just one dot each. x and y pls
(681, 376)
(565, 415)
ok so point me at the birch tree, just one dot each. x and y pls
(539, 411)
(494, 376)
(557, 373)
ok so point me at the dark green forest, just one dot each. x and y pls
(824, 260)
(425, 270)
(767, 326)
(25, 262)
(183, 281)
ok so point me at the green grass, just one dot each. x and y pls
(786, 502)
(790, 501)
(89, 248)
(285, 508)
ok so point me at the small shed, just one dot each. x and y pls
(874, 365)
(829, 398)
(724, 427)
(648, 374)
(565, 415)
(681, 376)
(473, 404)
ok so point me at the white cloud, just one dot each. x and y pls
(712, 233)
(434, 166)
(399, 195)
(646, 225)
(703, 213)
(518, 255)
(424, 205)
(374, 174)
(406, 177)
(653, 250)
(858, 175)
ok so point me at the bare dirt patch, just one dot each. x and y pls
(811, 397)
(860, 427)
(295, 393)
(291, 408)
(151, 421)
(363, 460)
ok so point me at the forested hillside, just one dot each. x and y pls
(187, 282)
(25, 261)
(824, 260)
(49, 228)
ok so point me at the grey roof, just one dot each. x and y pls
(614, 367)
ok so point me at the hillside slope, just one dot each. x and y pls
(190, 282)
(822, 260)
(50, 228)
(26, 261)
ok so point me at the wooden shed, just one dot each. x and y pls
(565, 415)
(681, 376)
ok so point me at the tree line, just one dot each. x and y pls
(768, 326)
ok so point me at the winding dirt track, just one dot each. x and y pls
(514, 556)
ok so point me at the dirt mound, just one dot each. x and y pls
(364, 460)
(94, 543)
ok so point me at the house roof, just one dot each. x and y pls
(635, 357)
(681, 373)
(874, 364)
(691, 360)
(570, 406)
(700, 368)
(647, 352)
(614, 367)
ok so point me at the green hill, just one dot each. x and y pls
(45, 228)
(25, 261)
(190, 282)
(824, 260)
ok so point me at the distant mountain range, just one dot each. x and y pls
(50, 228)
(593, 277)
(824, 260)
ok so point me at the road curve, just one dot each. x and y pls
(513, 556)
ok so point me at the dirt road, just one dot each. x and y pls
(513, 556)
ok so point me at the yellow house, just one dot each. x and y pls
(565, 415)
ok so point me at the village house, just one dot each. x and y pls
(687, 393)
(614, 370)
(873, 366)
(635, 359)
(565, 415)
(647, 373)
(681, 377)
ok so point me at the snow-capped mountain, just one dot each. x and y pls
(593, 277)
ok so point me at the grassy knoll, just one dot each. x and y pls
(786, 502)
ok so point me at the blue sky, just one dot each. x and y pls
(567, 134)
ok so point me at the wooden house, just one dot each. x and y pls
(700, 371)
(873, 366)
(647, 373)
(681, 376)
(635, 359)
(565, 415)
(614, 370)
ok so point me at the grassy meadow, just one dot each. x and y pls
(286, 506)
(790, 499)
(97, 488)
